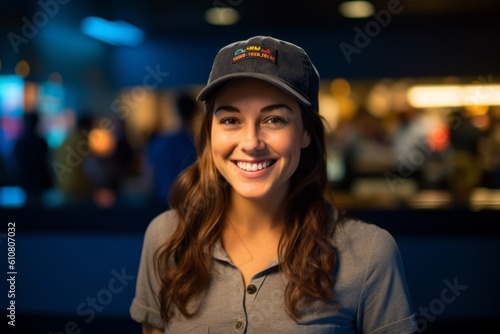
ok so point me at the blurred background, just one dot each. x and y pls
(97, 115)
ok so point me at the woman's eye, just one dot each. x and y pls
(228, 121)
(276, 120)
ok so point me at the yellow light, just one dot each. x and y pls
(477, 110)
(141, 113)
(379, 100)
(101, 142)
(222, 16)
(348, 108)
(30, 96)
(329, 108)
(356, 9)
(428, 96)
(22, 68)
(340, 87)
(483, 198)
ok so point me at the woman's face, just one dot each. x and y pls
(257, 136)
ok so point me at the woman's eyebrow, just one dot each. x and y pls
(269, 108)
(276, 106)
(226, 108)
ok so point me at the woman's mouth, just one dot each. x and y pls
(254, 166)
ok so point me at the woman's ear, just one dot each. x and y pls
(306, 139)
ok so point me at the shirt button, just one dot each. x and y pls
(251, 289)
(239, 325)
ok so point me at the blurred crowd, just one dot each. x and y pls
(414, 151)
(98, 164)
(402, 154)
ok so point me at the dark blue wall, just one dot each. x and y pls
(68, 257)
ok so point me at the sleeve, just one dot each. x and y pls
(145, 306)
(385, 303)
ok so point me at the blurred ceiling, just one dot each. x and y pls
(425, 38)
(167, 17)
(164, 16)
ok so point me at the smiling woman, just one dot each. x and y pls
(257, 135)
(254, 242)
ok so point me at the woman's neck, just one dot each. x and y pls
(251, 234)
(251, 216)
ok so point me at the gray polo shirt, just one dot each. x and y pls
(370, 290)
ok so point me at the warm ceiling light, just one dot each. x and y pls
(428, 96)
(356, 9)
(222, 16)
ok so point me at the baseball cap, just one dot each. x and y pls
(278, 62)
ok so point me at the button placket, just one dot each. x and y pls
(251, 293)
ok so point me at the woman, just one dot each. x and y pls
(253, 243)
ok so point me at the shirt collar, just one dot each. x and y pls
(219, 253)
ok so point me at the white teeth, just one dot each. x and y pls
(253, 167)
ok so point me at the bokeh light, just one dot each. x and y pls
(22, 68)
(102, 142)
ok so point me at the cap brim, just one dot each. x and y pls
(211, 88)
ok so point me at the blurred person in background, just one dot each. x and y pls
(32, 154)
(4, 177)
(495, 134)
(72, 177)
(466, 169)
(168, 154)
(122, 156)
(111, 158)
(409, 138)
(111, 161)
(492, 153)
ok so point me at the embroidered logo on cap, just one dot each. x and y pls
(255, 51)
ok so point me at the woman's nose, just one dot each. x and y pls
(252, 139)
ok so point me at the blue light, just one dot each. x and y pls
(11, 95)
(51, 98)
(55, 137)
(112, 32)
(12, 197)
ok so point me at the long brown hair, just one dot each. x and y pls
(200, 195)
